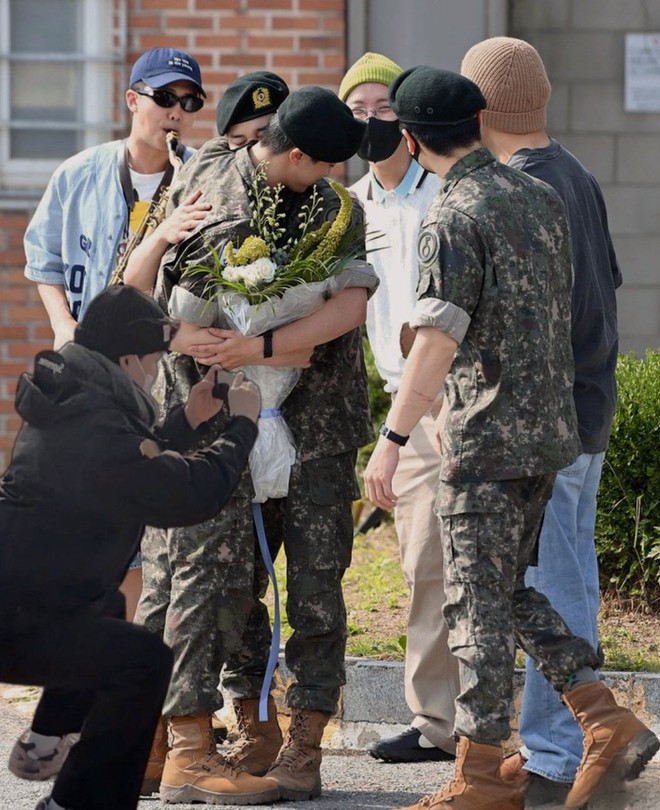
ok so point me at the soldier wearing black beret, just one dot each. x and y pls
(321, 125)
(439, 99)
(248, 105)
(493, 327)
(328, 415)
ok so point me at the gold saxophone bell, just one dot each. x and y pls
(155, 213)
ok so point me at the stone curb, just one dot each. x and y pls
(373, 703)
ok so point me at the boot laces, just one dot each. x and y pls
(293, 750)
(225, 763)
(241, 721)
(245, 739)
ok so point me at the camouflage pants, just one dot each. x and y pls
(490, 534)
(196, 596)
(314, 525)
(202, 586)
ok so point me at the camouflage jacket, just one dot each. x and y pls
(494, 253)
(328, 410)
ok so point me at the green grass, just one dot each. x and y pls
(376, 598)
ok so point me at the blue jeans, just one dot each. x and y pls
(567, 573)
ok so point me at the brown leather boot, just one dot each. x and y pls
(195, 772)
(615, 741)
(258, 742)
(156, 761)
(297, 769)
(477, 784)
(513, 770)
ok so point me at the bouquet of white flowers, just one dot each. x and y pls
(266, 283)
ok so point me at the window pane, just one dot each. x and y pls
(30, 143)
(57, 31)
(45, 91)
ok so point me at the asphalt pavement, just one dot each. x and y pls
(351, 780)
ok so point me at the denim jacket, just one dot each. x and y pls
(73, 237)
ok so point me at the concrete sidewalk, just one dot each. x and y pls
(372, 706)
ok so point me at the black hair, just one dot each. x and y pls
(274, 139)
(444, 141)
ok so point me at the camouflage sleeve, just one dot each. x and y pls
(452, 258)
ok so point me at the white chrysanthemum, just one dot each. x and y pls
(256, 274)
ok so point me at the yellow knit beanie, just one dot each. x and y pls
(372, 67)
(511, 75)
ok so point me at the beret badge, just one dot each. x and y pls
(261, 97)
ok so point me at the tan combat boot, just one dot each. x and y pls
(297, 769)
(615, 741)
(195, 772)
(477, 784)
(156, 761)
(258, 742)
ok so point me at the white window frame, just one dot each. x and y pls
(101, 114)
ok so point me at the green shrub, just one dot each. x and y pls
(628, 520)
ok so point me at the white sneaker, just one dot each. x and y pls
(24, 764)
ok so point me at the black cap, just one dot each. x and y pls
(248, 97)
(320, 124)
(434, 97)
(121, 320)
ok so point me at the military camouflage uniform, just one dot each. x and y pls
(495, 274)
(201, 584)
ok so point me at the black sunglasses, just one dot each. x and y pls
(166, 98)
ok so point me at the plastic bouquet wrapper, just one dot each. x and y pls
(273, 453)
(269, 282)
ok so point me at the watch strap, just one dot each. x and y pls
(397, 438)
(268, 343)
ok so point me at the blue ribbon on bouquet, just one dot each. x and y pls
(275, 640)
(273, 654)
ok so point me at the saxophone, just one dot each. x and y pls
(155, 213)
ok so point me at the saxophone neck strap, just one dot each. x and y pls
(130, 195)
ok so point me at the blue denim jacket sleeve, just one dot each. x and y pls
(73, 237)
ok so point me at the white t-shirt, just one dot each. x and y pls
(145, 186)
(398, 214)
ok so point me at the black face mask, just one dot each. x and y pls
(380, 141)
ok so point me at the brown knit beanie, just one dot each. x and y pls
(512, 78)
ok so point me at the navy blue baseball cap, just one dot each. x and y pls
(161, 66)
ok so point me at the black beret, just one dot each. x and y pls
(321, 125)
(248, 97)
(428, 95)
(121, 320)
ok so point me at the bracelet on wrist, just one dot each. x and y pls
(268, 343)
(397, 438)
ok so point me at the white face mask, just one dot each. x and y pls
(148, 380)
(141, 378)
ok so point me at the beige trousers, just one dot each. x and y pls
(431, 671)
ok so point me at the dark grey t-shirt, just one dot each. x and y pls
(594, 333)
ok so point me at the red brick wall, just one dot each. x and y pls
(302, 40)
(24, 328)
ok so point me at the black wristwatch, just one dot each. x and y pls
(397, 438)
(268, 343)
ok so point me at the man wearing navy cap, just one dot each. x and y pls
(97, 199)
(493, 325)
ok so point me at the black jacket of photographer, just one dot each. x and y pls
(89, 472)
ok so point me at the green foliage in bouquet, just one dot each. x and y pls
(628, 520)
(266, 263)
